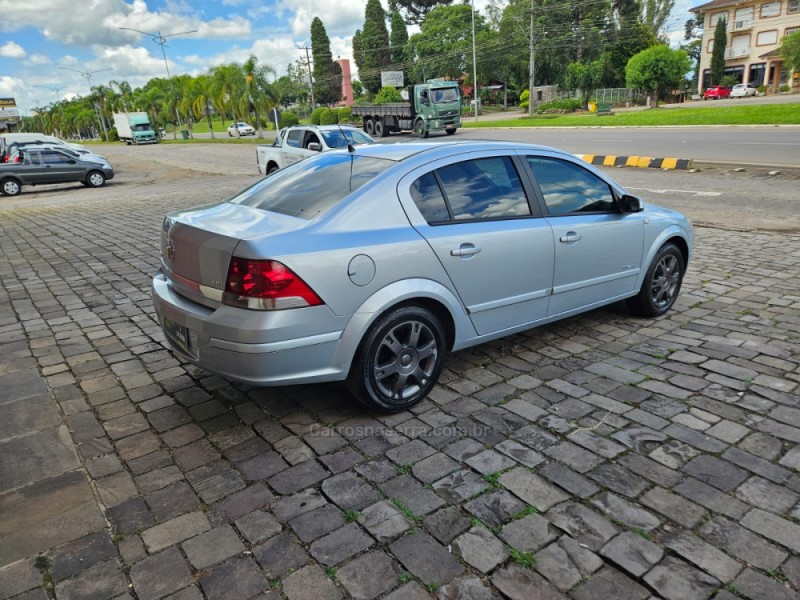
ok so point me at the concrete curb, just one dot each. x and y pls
(641, 162)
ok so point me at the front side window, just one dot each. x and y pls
(338, 138)
(312, 186)
(568, 188)
(485, 188)
(55, 158)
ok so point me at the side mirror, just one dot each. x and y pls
(315, 147)
(630, 204)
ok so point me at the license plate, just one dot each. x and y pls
(178, 335)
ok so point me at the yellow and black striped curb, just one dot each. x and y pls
(642, 162)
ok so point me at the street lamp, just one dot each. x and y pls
(88, 76)
(161, 40)
(474, 64)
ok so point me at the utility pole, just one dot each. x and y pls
(161, 40)
(475, 64)
(532, 67)
(88, 76)
(310, 81)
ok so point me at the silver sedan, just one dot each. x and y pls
(369, 265)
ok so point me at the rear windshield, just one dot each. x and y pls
(310, 187)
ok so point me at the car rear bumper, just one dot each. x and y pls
(266, 348)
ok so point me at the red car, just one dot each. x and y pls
(715, 92)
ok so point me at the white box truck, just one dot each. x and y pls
(135, 128)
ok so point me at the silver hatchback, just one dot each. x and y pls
(370, 265)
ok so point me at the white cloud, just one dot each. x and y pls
(12, 50)
(38, 59)
(9, 86)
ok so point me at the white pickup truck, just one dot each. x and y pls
(295, 143)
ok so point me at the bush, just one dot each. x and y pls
(784, 88)
(344, 114)
(524, 99)
(387, 95)
(327, 117)
(761, 89)
(288, 119)
(564, 105)
(315, 114)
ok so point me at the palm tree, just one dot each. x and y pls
(229, 90)
(258, 87)
(200, 93)
(125, 93)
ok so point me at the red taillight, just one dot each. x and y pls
(266, 285)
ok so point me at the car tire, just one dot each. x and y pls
(95, 179)
(369, 126)
(450, 131)
(661, 285)
(10, 187)
(420, 129)
(409, 340)
(380, 128)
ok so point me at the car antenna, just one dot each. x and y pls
(350, 147)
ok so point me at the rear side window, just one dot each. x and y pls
(568, 188)
(427, 195)
(312, 186)
(485, 188)
(295, 138)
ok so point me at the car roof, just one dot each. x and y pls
(400, 151)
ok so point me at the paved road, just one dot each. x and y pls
(631, 458)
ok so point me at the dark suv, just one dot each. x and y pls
(39, 166)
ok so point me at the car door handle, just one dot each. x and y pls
(465, 250)
(570, 238)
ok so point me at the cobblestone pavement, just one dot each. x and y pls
(604, 457)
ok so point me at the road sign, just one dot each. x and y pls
(392, 79)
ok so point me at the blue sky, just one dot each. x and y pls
(37, 37)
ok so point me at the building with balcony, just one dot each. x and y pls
(755, 29)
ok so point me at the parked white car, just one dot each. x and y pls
(743, 90)
(244, 129)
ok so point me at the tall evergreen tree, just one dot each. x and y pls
(399, 41)
(718, 52)
(327, 73)
(373, 46)
(417, 10)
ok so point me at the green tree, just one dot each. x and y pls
(200, 94)
(654, 14)
(790, 51)
(718, 52)
(584, 78)
(417, 10)
(228, 91)
(387, 95)
(693, 44)
(327, 73)
(626, 41)
(262, 96)
(657, 70)
(374, 53)
(443, 47)
(399, 42)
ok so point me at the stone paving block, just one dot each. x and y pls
(172, 501)
(764, 494)
(410, 591)
(240, 503)
(574, 456)
(175, 531)
(237, 578)
(36, 457)
(426, 559)
(649, 469)
(137, 445)
(757, 465)
(675, 579)
(728, 431)
(445, 524)
(341, 544)
(460, 486)
(316, 523)
(566, 563)
(521, 454)
(342, 461)
(682, 511)
(16, 577)
(348, 491)
(480, 549)
(597, 444)
(434, 467)
(773, 528)
(495, 508)
(755, 585)
(410, 453)
(280, 554)
(103, 580)
(298, 477)
(632, 553)
(618, 479)
(532, 489)
(466, 587)
(584, 525)
(741, 543)
(792, 459)
(258, 526)
(620, 509)
(489, 461)
(711, 498)
(383, 520)
(713, 471)
(309, 582)
(519, 583)
(212, 547)
(410, 492)
(214, 481)
(288, 508)
(534, 437)
(161, 574)
(262, 466)
(71, 558)
(369, 576)
(691, 548)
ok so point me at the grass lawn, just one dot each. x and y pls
(774, 114)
